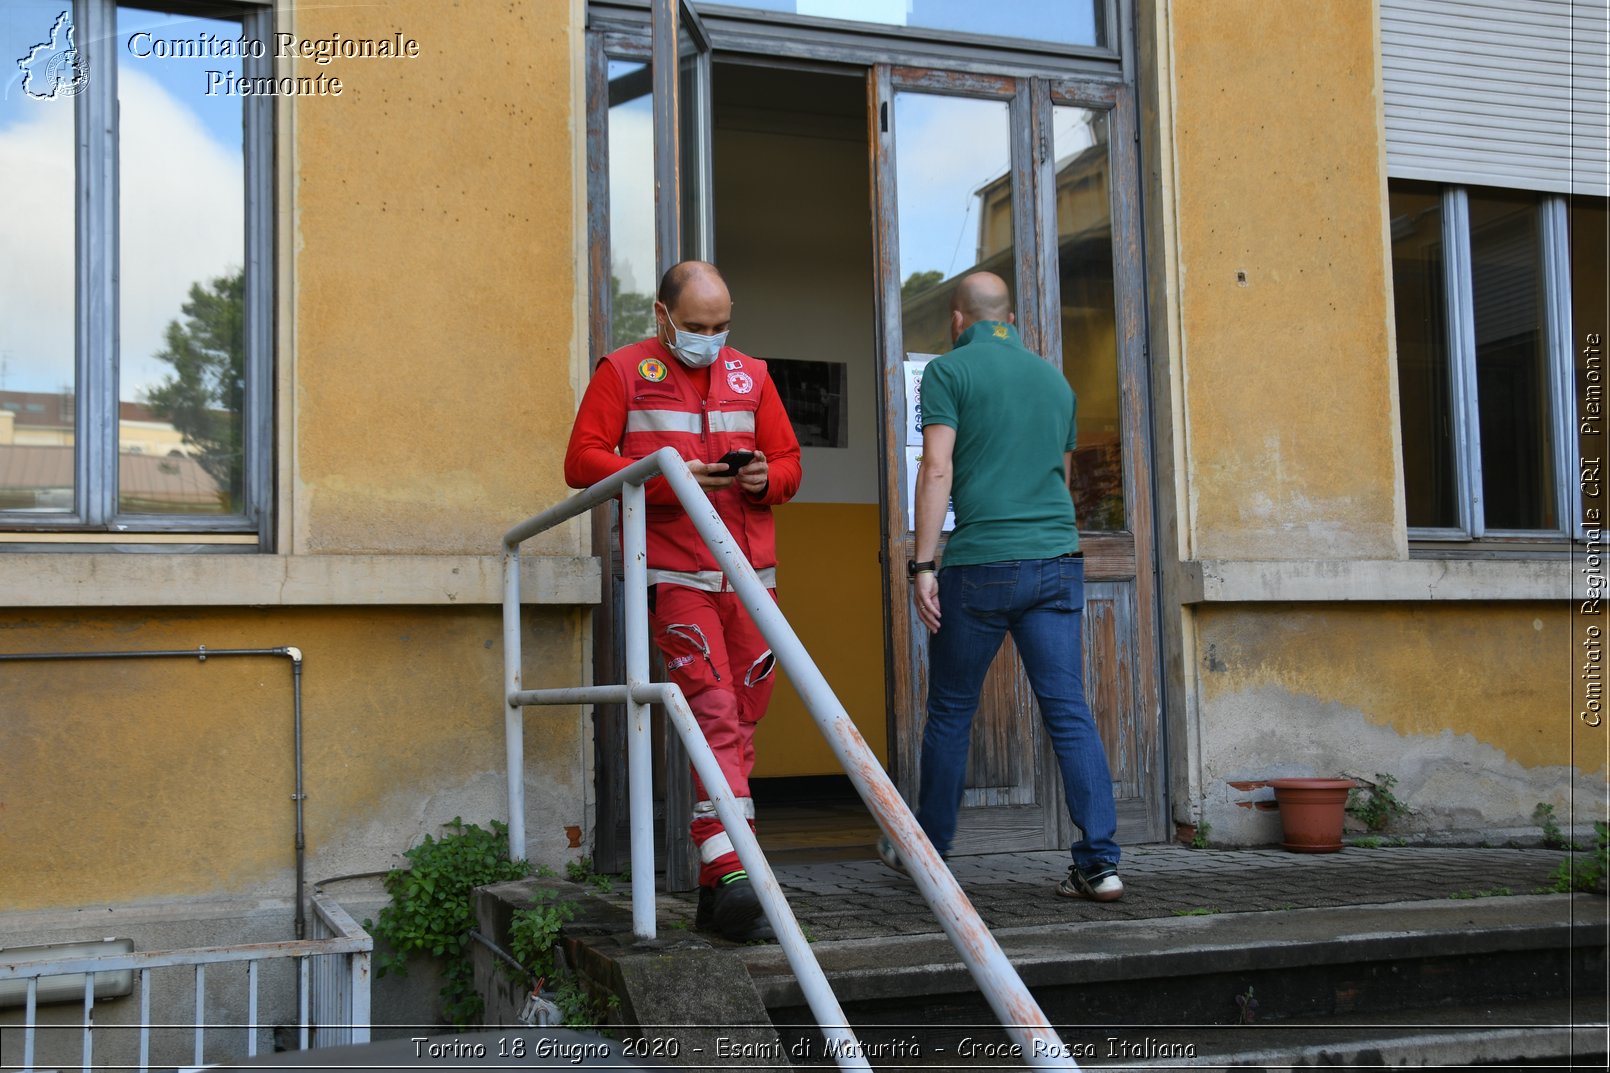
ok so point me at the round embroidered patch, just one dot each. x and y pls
(651, 369)
(740, 382)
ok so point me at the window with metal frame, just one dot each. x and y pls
(136, 310)
(1488, 370)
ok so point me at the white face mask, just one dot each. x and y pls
(694, 350)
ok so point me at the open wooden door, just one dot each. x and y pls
(1036, 183)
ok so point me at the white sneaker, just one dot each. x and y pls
(1101, 884)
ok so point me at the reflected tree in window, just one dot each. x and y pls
(631, 315)
(204, 395)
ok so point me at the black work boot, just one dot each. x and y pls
(731, 908)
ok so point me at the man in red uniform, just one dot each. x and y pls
(686, 389)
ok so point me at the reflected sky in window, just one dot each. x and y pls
(182, 192)
(1064, 22)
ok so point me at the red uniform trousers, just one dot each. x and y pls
(716, 654)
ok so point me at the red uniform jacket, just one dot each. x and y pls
(642, 398)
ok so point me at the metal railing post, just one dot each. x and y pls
(639, 758)
(1002, 987)
(513, 718)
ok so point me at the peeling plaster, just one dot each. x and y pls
(1451, 781)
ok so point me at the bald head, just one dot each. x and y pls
(981, 296)
(683, 274)
(692, 298)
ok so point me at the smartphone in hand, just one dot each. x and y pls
(734, 461)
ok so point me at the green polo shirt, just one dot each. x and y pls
(1013, 413)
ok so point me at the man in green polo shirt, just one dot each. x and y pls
(998, 439)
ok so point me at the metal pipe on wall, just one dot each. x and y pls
(201, 653)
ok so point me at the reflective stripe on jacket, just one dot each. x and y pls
(664, 410)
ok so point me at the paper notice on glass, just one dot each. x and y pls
(913, 460)
(912, 370)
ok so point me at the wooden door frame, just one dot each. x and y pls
(1110, 559)
(624, 34)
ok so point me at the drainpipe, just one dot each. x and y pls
(202, 653)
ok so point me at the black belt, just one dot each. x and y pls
(1072, 555)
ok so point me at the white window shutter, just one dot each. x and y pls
(1509, 93)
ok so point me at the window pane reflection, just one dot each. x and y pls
(631, 203)
(1590, 326)
(1065, 22)
(37, 243)
(1089, 316)
(1425, 399)
(953, 177)
(181, 371)
(1512, 385)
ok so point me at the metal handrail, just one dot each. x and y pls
(1000, 984)
(345, 938)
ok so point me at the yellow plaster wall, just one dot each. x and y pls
(142, 780)
(1285, 314)
(435, 276)
(1497, 672)
(831, 588)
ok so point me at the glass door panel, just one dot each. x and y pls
(953, 176)
(632, 276)
(694, 136)
(1062, 22)
(1084, 260)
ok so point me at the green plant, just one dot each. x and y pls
(430, 906)
(602, 883)
(1248, 1007)
(1375, 803)
(578, 871)
(534, 932)
(1582, 871)
(1492, 892)
(1198, 912)
(1553, 837)
(534, 939)
(1366, 843)
(1204, 831)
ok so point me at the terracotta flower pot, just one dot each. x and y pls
(1311, 813)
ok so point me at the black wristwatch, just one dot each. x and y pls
(913, 567)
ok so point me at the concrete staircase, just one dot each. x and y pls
(1436, 982)
(1450, 981)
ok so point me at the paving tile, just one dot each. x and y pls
(861, 898)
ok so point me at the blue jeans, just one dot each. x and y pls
(1041, 601)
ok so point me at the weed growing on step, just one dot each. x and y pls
(1582, 870)
(534, 939)
(1366, 843)
(1375, 803)
(1204, 831)
(581, 871)
(1494, 892)
(1201, 911)
(430, 907)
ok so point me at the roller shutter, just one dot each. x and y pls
(1509, 93)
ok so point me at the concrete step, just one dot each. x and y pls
(1132, 979)
(1551, 1033)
